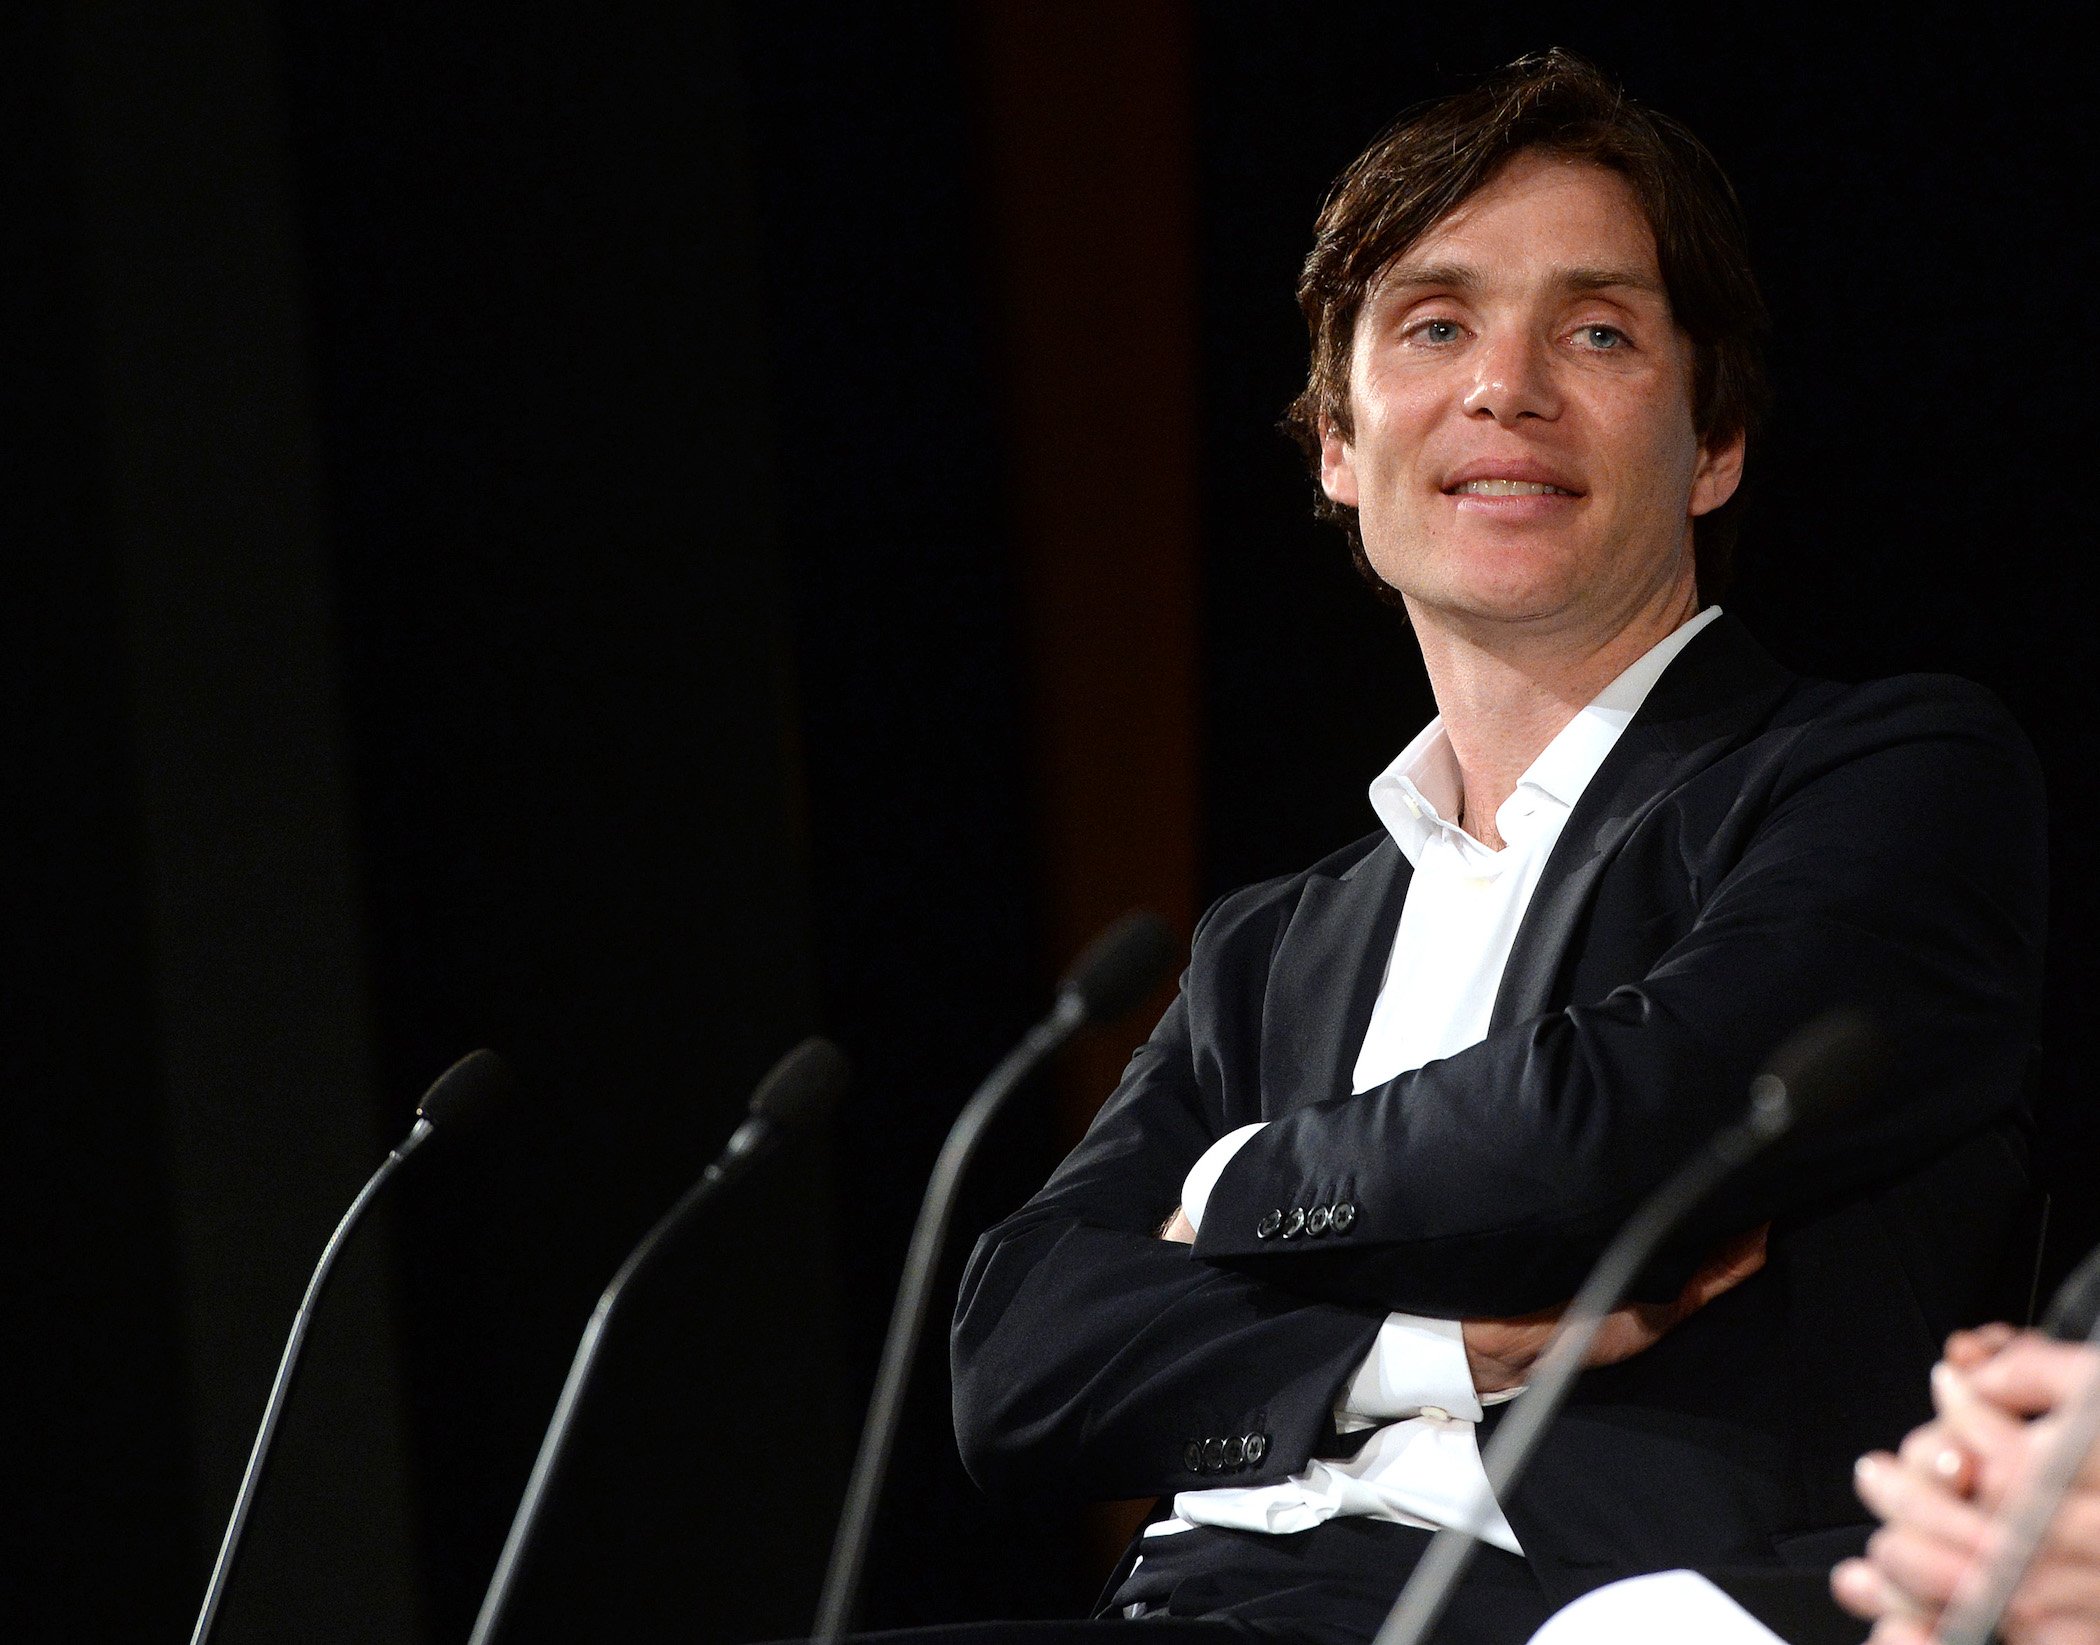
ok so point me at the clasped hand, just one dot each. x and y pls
(1997, 1395)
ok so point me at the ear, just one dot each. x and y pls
(1714, 481)
(1337, 466)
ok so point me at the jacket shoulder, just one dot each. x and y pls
(1964, 721)
(1266, 905)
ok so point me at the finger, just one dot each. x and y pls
(1920, 1566)
(1968, 1349)
(2074, 1534)
(1731, 1264)
(2058, 1630)
(1865, 1592)
(1979, 1427)
(1856, 1586)
(2052, 1630)
(2055, 1588)
(1631, 1330)
(2065, 1577)
(1930, 1453)
(2032, 1374)
(1728, 1277)
(1748, 1247)
(1918, 1503)
(1743, 1255)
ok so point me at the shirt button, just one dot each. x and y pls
(1214, 1456)
(1317, 1219)
(1343, 1217)
(1270, 1222)
(1192, 1456)
(1294, 1222)
(1257, 1448)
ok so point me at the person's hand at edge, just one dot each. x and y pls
(1937, 1496)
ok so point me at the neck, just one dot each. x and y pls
(1506, 690)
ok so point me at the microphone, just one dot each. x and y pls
(799, 1092)
(2075, 1309)
(1819, 1070)
(1979, 1603)
(1114, 974)
(456, 1102)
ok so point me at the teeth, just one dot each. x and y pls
(1510, 488)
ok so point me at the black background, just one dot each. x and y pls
(652, 384)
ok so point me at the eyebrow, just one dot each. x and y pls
(1604, 279)
(1459, 277)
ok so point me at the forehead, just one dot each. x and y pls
(1543, 218)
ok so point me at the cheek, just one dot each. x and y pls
(1653, 449)
(1392, 426)
(1676, 443)
(1680, 460)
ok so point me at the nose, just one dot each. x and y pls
(1512, 380)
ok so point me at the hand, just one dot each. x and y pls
(1178, 1228)
(1937, 1496)
(1501, 1352)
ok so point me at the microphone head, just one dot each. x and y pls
(462, 1095)
(2074, 1312)
(1820, 1070)
(804, 1086)
(1122, 965)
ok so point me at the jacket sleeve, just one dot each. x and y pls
(1890, 858)
(1095, 1360)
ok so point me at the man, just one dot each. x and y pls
(1322, 1228)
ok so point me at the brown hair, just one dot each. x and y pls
(1437, 156)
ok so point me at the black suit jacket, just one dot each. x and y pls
(1756, 848)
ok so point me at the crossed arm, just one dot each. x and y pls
(1501, 1352)
(1088, 1351)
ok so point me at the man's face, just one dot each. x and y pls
(1523, 447)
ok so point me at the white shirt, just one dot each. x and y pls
(1457, 925)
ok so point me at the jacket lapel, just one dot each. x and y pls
(1324, 979)
(1719, 688)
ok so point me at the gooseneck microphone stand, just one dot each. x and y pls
(457, 1097)
(1119, 968)
(797, 1094)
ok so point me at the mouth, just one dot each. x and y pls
(1508, 488)
(1512, 490)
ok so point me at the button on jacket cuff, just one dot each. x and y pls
(1414, 1363)
(1225, 1454)
(1210, 1165)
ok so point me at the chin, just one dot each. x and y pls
(1499, 587)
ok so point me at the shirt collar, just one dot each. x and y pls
(1417, 797)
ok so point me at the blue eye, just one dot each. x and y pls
(1605, 337)
(1439, 331)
